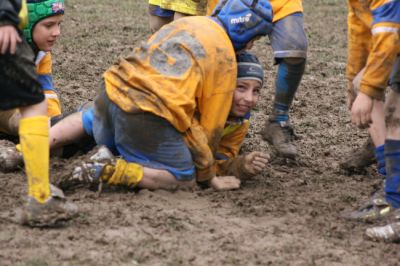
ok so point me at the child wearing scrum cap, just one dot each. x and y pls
(21, 88)
(250, 80)
(41, 33)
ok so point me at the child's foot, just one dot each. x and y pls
(10, 158)
(387, 233)
(281, 136)
(88, 173)
(54, 212)
(375, 209)
(359, 158)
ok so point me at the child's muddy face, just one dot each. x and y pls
(46, 32)
(245, 97)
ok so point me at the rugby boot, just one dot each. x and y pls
(10, 158)
(88, 173)
(375, 209)
(359, 158)
(55, 211)
(387, 233)
(281, 136)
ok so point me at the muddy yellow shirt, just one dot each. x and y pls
(281, 8)
(373, 36)
(229, 146)
(191, 7)
(43, 69)
(185, 73)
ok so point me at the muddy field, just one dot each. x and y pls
(287, 216)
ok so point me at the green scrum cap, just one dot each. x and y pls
(40, 9)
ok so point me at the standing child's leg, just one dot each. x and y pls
(289, 43)
(34, 140)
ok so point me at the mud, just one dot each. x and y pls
(289, 215)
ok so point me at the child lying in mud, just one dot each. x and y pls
(164, 107)
(250, 77)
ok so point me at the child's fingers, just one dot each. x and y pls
(259, 164)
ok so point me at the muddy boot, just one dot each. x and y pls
(360, 158)
(10, 158)
(280, 135)
(52, 213)
(88, 173)
(387, 233)
(375, 209)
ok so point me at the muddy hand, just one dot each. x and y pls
(221, 183)
(255, 162)
(361, 110)
(9, 38)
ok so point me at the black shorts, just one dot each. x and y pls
(19, 84)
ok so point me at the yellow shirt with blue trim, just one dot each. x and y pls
(281, 8)
(44, 71)
(185, 73)
(374, 43)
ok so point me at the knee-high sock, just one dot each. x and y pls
(286, 84)
(123, 173)
(380, 158)
(392, 159)
(34, 140)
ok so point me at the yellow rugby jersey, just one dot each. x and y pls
(44, 71)
(373, 36)
(185, 73)
(191, 7)
(281, 8)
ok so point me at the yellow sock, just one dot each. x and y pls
(124, 173)
(34, 140)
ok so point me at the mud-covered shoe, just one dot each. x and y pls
(387, 233)
(360, 158)
(10, 158)
(54, 212)
(375, 209)
(281, 136)
(88, 173)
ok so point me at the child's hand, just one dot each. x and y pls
(255, 162)
(9, 38)
(221, 183)
(361, 110)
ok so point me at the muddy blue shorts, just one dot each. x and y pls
(142, 138)
(160, 12)
(288, 38)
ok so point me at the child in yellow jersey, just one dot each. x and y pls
(20, 88)
(250, 78)
(41, 32)
(249, 83)
(289, 44)
(162, 12)
(374, 47)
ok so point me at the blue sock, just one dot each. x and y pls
(286, 84)
(392, 159)
(380, 158)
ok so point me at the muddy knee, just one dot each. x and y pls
(392, 111)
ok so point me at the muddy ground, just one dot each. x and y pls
(289, 215)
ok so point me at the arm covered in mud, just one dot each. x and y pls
(203, 159)
(229, 162)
